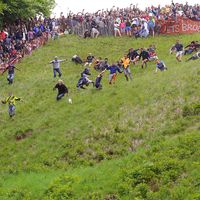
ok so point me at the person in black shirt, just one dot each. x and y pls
(76, 59)
(62, 89)
(89, 59)
(87, 34)
(133, 55)
(145, 57)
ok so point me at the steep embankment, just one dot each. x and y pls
(132, 140)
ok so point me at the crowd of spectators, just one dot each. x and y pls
(21, 38)
(108, 22)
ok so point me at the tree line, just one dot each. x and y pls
(12, 10)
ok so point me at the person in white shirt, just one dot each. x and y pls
(56, 66)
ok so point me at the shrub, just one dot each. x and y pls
(61, 189)
(191, 110)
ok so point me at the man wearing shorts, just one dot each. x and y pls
(179, 51)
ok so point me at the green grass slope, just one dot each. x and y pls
(132, 140)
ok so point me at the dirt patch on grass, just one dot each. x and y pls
(22, 136)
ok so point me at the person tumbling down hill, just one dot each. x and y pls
(192, 47)
(160, 65)
(56, 66)
(11, 100)
(98, 80)
(194, 57)
(84, 80)
(76, 59)
(113, 72)
(133, 55)
(62, 89)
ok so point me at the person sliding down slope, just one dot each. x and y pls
(84, 80)
(194, 57)
(160, 65)
(62, 89)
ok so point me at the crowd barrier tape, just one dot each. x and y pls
(30, 46)
(179, 26)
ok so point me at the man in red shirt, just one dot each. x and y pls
(2, 35)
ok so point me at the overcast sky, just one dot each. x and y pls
(92, 5)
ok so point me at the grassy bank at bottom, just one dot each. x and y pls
(161, 169)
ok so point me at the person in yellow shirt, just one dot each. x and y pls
(11, 100)
(126, 67)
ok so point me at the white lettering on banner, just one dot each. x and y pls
(190, 27)
(173, 29)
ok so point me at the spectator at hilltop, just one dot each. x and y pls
(17, 40)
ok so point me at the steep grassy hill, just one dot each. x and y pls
(132, 140)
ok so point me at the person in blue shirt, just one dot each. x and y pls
(160, 65)
(113, 72)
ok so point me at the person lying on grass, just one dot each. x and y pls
(76, 59)
(194, 57)
(160, 65)
(62, 89)
(11, 100)
(192, 47)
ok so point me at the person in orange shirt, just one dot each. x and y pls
(126, 67)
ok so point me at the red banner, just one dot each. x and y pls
(180, 26)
